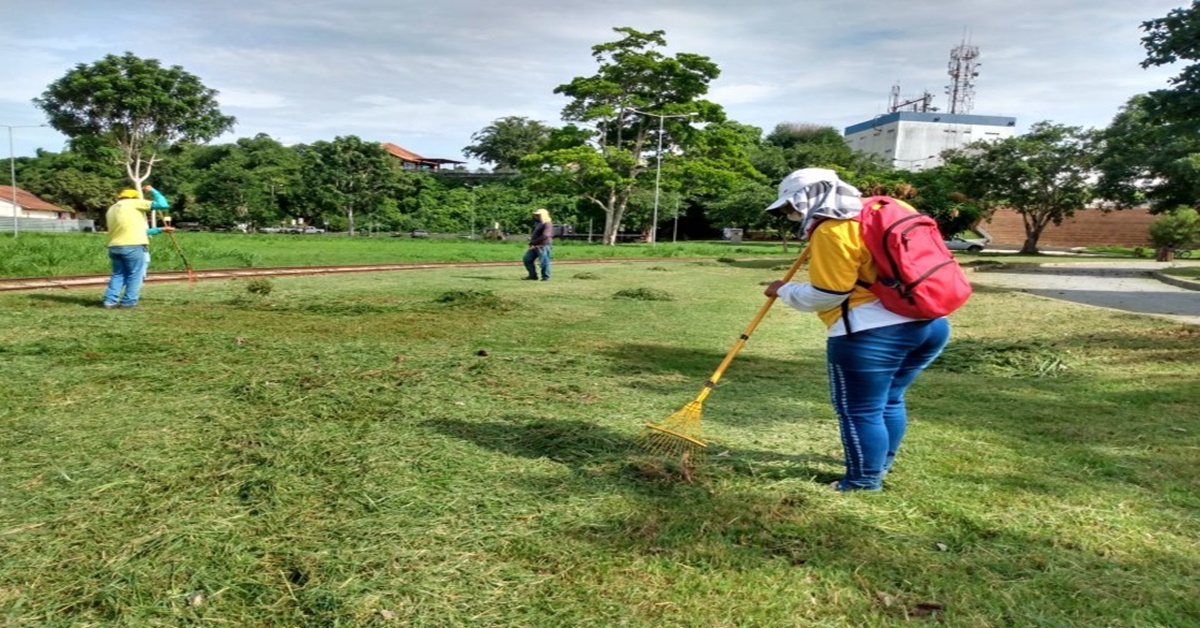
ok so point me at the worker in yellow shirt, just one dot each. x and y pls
(129, 245)
(870, 369)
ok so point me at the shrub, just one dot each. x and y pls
(1178, 228)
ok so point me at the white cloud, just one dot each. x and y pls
(234, 98)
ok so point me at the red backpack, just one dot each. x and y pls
(918, 276)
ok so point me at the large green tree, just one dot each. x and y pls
(1169, 40)
(1044, 175)
(1143, 160)
(350, 175)
(135, 105)
(506, 141)
(634, 79)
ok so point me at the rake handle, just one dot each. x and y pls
(179, 250)
(741, 341)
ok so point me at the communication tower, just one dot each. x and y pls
(964, 68)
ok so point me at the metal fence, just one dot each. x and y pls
(45, 225)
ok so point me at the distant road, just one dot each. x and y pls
(1124, 286)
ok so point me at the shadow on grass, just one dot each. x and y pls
(697, 365)
(70, 299)
(483, 278)
(711, 525)
(761, 264)
(588, 447)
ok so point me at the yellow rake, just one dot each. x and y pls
(679, 435)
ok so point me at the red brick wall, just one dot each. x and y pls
(1090, 227)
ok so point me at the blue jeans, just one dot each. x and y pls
(542, 255)
(869, 371)
(128, 271)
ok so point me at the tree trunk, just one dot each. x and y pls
(1164, 254)
(610, 228)
(1033, 233)
(350, 219)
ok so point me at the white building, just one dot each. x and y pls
(913, 140)
(29, 206)
(31, 213)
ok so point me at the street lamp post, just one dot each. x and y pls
(12, 169)
(658, 168)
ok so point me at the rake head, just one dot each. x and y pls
(678, 435)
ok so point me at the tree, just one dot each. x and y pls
(507, 141)
(349, 174)
(806, 145)
(136, 105)
(1044, 175)
(69, 179)
(720, 175)
(1144, 161)
(1169, 40)
(632, 76)
(1178, 228)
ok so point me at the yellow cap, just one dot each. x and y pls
(128, 193)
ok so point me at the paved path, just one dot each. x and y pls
(1125, 286)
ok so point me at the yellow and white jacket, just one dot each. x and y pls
(839, 260)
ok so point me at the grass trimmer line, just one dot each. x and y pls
(679, 435)
(191, 275)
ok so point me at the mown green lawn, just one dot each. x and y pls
(458, 448)
(57, 254)
(46, 254)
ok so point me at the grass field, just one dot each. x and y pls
(42, 254)
(457, 448)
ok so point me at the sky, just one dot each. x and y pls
(427, 75)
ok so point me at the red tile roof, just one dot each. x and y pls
(407, 155)
(29, 201)
(402, 153)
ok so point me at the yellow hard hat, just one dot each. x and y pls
(128, 193)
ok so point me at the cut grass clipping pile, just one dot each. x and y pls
(456, 447)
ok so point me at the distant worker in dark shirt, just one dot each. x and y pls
(540, 240)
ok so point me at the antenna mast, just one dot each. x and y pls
(922, 104)
(964, 68)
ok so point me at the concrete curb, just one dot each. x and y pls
(1176, 281)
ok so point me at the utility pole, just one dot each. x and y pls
(658, 168)
(12, 170)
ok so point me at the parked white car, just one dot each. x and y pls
(955, 243)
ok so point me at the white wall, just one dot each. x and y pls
(6, 208)
(916, 144)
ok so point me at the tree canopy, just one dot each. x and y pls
(351, 175)
(136, 105)
(1169, 40)
(1044, 175)
(634, 85)
(506, 141)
